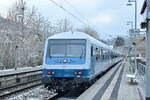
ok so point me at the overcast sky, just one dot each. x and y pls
(108, 17)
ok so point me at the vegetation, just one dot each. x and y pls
(23, 33)
(119, 41)
(90, 31)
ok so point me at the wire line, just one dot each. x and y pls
(68, 12)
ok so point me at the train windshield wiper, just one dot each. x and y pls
(81, 53)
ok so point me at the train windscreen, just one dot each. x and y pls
(66, 48)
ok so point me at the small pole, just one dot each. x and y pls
(22, 22)
(16, 57)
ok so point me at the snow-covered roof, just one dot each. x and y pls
(79, 35)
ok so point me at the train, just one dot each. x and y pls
(75, 58)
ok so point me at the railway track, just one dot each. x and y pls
(70, 94)
(18, 81)
(7, 91)
(31, 80)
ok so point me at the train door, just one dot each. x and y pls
(92, 59)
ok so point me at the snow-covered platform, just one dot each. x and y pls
(115, 85)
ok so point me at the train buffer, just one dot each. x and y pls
(115, 85)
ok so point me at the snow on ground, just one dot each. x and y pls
(38, 93)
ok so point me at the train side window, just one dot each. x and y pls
(102, 54)
(91, 51)
(97, 53)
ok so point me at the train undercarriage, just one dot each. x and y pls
(67, 84)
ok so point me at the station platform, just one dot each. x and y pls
(115, 85)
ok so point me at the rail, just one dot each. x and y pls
(11, 72)
(141, 70)
(13, 81)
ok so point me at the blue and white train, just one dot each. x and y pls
(73, 58)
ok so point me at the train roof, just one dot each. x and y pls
(79, 35)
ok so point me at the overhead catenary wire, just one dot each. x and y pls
(84, 17)
(72, 6)
(68, 12)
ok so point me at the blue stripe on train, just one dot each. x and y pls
(59, 60)
(67, 72)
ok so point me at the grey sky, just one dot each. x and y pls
(108, 17)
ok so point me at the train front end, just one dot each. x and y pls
(66, 62)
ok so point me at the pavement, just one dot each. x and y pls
(115, 85)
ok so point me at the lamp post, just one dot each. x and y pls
(135, 28)
(130, 4)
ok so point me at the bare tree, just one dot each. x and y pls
(7, 57)
(28, 30)
(119, 41)
(90, 31)
(64, 25)
(15, 12)
(7, 38)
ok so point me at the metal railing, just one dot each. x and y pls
(20, 75)
(141, 70)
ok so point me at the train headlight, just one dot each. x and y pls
(50, 72)
(65, 61)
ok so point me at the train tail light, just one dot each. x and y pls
(50, 72)
(79, 73)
